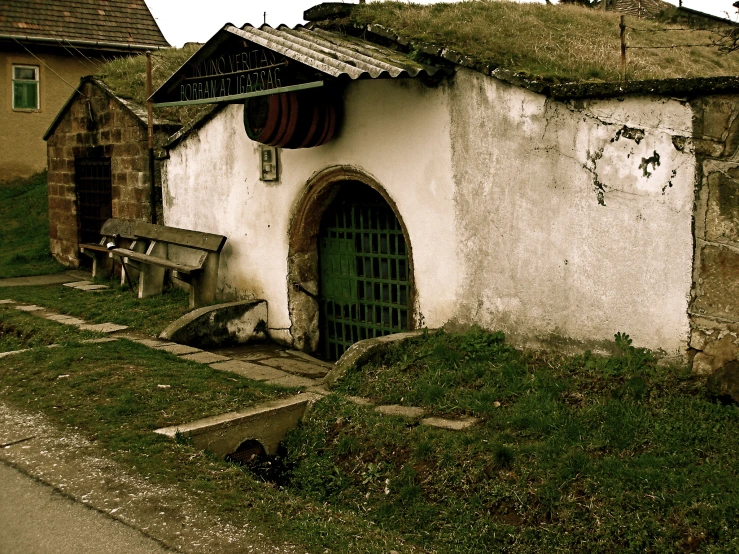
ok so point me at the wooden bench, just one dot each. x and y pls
(113, 231)
(153, 259)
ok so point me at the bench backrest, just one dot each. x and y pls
(180, 237)
(121, 227)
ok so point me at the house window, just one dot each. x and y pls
(25, 87)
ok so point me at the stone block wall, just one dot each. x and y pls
(714, 307)
(96, 125)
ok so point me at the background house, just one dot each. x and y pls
(98, 166)
(45, 47)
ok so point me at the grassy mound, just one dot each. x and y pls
(563, 43)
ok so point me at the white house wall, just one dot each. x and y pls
(536, 217)
(398, 132)
(574, 220)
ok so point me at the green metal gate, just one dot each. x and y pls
(363, 262)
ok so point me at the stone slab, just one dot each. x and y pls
(103, 327)
(13, 352)
(205, 357)
(31, 308)
(78, 284)
(250, 371)
(93, 288)
(153, 343)
(718, 289)
(67, 320)
(7, 301)
(403, 411)
(359, 401)
(36, 280)
(308, 358)
(99, 341)
(301, 367)
(179, 349)
(459, 424)
(292, 381)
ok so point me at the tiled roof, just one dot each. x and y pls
(107, 21)
(645, 9)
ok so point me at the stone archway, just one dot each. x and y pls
(303, 264)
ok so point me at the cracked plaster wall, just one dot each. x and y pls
(574, 219)
(560, 224)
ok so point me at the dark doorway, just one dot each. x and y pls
(94, 196)
(363, 268)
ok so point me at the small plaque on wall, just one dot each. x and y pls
(268, 162)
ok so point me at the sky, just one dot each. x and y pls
(184, 21)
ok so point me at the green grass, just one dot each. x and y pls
(583, 454)
(116, 305)
(572, 454)
(24, 228)
(563, 43)
(19, 330)
(126, 76)
(111, 394)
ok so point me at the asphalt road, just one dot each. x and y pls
(35, 519)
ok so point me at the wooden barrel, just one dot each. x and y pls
(290, 119)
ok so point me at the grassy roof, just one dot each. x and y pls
(562, 43)
(127, 78)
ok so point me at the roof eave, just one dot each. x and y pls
(95, 44)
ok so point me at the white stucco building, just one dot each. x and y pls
(453, 194)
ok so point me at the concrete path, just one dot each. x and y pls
(36, 519)
(62, 459)
(44, 280)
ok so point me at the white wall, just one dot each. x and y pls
(396, 131)
(497, 188)
(562, 234)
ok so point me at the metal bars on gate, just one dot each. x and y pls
(365, 277)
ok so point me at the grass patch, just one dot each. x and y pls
(19, 330)
(110, 393)
(24, 228)
(562, 43)
(581, 453)
(127, 77)
(116, 305)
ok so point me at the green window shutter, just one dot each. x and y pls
(25, 88)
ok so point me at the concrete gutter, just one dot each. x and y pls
(267, 423)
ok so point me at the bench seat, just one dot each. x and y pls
(112, 231)
(149, 256)
(156, 260)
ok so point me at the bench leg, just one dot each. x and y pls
(102, 265)
(151, 277)
(203, 283)
(133, 272)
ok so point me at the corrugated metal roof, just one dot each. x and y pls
(334, 54)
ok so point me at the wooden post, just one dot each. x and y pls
(605, 2)
(622, 26)
(150, 125)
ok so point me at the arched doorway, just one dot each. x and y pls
(350, 267)
(364, 282)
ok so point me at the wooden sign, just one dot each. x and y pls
(228, 69)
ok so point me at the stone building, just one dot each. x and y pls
(452, 192)
(45, 47)
(98, 166)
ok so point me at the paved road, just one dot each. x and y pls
(35, 519)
